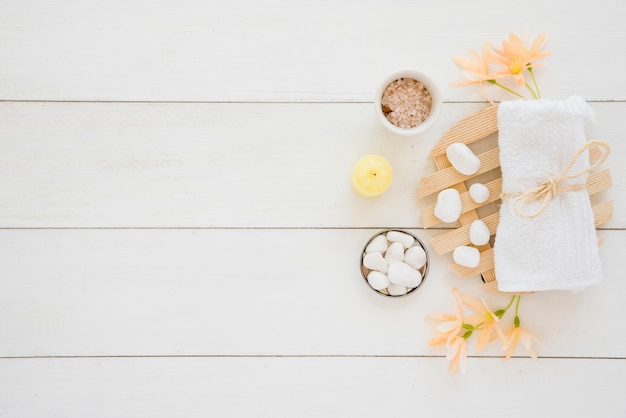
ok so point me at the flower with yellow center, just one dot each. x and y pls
(489, 327)
(516, 57)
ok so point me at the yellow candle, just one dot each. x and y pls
(371, 176)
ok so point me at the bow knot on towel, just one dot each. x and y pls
(551, 187)
(544, 159)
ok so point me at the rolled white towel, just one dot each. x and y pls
(549, 243)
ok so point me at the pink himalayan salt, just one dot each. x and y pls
(406, 102)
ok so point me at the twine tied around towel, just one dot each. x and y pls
(551, 187)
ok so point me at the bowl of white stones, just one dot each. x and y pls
(394, 263)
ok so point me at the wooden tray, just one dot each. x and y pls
(471, 129)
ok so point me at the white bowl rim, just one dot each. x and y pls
(428, 82)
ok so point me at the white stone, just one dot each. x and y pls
(377, 245)
(448, 207)
(463, 159)
(397, 236)
(396, 290)
(378, 280)
(375, 261)
(479, 192)
(404, 275)
(466, 256)
(395, 253)
(479, 233)
(415, 257)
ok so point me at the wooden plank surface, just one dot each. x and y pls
(255, 292)
(198, 165)
(178, 236)
(275, 50)
(330, 387)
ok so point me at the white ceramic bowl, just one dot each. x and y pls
(423, 271)
(434, 93)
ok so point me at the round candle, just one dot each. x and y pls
(371, 176)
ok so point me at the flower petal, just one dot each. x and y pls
(477, 58)
(453, 348)
(525, 338)
(499, 333)
(465, 63)
(474, 320)
(473, 76)
(458, 306)
(473, 304)
(462, 356)
(448, 326)
(441, 317)
(463, 83)
(454, 365)
(511, 349)
(538, 43)
(438, 340)
(484, 338)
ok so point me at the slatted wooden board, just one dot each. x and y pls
(469, 130)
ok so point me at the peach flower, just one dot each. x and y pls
(453, 331)
(516, 57)
(516, 334)
(476, 70)
(457, 354)
(489, 326)
(451, 325)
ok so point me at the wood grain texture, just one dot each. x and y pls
(174, 183)
(256, 292)
(273, 50)
(198, 165)
(309, 387)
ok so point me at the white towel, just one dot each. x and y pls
(558, 249)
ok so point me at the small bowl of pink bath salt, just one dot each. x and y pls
(408, 102)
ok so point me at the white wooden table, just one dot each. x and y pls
(179, 237)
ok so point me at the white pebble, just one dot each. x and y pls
(448, 207)
(466, 256)
(479, 233)
(377, 245)
(404, 275)
(415, 257)
(395, 253)
(396, 290)
(479, 192)
(378, 280)
(375, 261)
(463, 159)
(397, 236)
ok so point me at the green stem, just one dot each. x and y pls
(506, 88)
(516, 319)
(510, 303)
(532, 74)
(500, 312)
(532, 91)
